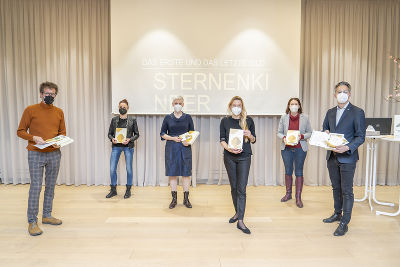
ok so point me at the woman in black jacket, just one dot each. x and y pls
(120, 144)
(237, 161)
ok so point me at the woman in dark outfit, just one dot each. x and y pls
(178, 154)
(132, 134)
(237, 161)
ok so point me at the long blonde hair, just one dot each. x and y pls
(243, 114)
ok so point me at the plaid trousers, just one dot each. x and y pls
(38, 162)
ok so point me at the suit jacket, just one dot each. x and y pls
(304, 128)
(352, 125)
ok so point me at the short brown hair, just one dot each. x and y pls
(288, 104)
(49, 85)
(123, 101)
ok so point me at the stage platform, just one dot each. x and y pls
(142, 231)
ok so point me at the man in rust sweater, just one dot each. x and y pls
(40, 122)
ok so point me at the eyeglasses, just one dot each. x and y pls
(49, 94)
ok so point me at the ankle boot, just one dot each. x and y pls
(299, 188)
(174, 199)
(289, 183)
(113, 191)
(128, 191)
(186, 201)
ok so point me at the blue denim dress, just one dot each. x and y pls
(178, 158)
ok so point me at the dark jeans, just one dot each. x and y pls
(296, 157)
(238, 172)
(342, 176)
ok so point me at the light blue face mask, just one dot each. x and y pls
(342, 98)
(294, 108)
(236, 110)
(177, 107)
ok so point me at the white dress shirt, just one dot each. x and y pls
(339, 112)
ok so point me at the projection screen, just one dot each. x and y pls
(206, 51)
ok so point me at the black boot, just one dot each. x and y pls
(174, 199)
(128, 191)
(113, 191)
(186, 201)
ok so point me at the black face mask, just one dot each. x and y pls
(122, 111)
(48, 99)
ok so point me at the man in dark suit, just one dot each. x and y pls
(349, 120)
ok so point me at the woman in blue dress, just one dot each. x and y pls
(178, 154)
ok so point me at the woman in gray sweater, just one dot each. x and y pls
(294, 155)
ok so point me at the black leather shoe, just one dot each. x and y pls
(244, 230)
(233, 220)
(334, 218)
(128, 191)
(113, 191)
(341, 230)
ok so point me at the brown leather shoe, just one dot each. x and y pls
(51, 220)
(34, 229)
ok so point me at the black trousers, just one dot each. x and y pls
(238, 172)
(342, 176)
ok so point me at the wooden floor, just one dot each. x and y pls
(142, 231)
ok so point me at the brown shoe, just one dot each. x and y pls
(51, 220)
(34, 229)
